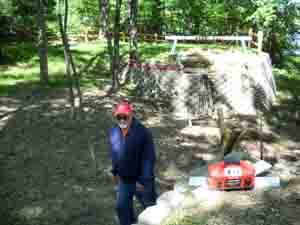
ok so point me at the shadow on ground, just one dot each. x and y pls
(48, 174)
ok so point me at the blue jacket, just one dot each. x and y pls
(133, 156)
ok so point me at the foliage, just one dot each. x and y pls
(84, 13)
(265, 13)
(5, 8)
(18, 19)
(278, 19)
(17, 53)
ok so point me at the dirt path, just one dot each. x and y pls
(47, 172)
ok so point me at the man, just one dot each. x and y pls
(133, 158)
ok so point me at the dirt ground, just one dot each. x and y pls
(48, 174)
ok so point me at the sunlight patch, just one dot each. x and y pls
(31, 212)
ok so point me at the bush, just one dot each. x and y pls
(16, 52)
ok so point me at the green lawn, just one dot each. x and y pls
(22, 66)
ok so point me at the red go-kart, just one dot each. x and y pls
(230, 175)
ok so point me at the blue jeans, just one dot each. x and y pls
(125, 192)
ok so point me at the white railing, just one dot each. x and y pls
(244, 40)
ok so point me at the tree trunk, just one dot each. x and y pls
(156, 16)
(104, 24)
(133, 40)
(133, 32)
(188, 24)
(103, 19)
(74, 84)
(116, 61)
(42, 42)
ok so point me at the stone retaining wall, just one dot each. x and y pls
(238, 82)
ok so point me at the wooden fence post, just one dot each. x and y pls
(155, 37)
(260, 38)
(221, 126)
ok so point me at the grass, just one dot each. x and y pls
(21, 65)
(25, 69)
(287, 78)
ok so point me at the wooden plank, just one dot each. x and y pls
(266, 182)
(198, 181)
(208, 38)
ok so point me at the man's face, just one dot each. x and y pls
(123, 120)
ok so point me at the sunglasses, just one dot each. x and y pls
(122, 117)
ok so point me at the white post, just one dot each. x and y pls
(174, 47)
(260, 38)
(250, 34)
(243, 42)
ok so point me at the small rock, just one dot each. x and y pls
(86, 109)
(183, 159)
(31, 212)
(172, 172)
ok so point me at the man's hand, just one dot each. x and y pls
(116, 179)
(139, 187)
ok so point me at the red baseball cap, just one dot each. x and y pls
(122, 108)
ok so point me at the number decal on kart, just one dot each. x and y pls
(233, 171)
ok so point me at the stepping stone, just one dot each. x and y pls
(261, 167)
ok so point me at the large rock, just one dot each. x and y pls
(209, 198)
(171, 199)
(203, 132)
(270, 151)
(244, 81)
(154, 215)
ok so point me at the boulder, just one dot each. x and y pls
(252, 79)
(171, 199)
(202, 132)
(154, 215)
(210, 198)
